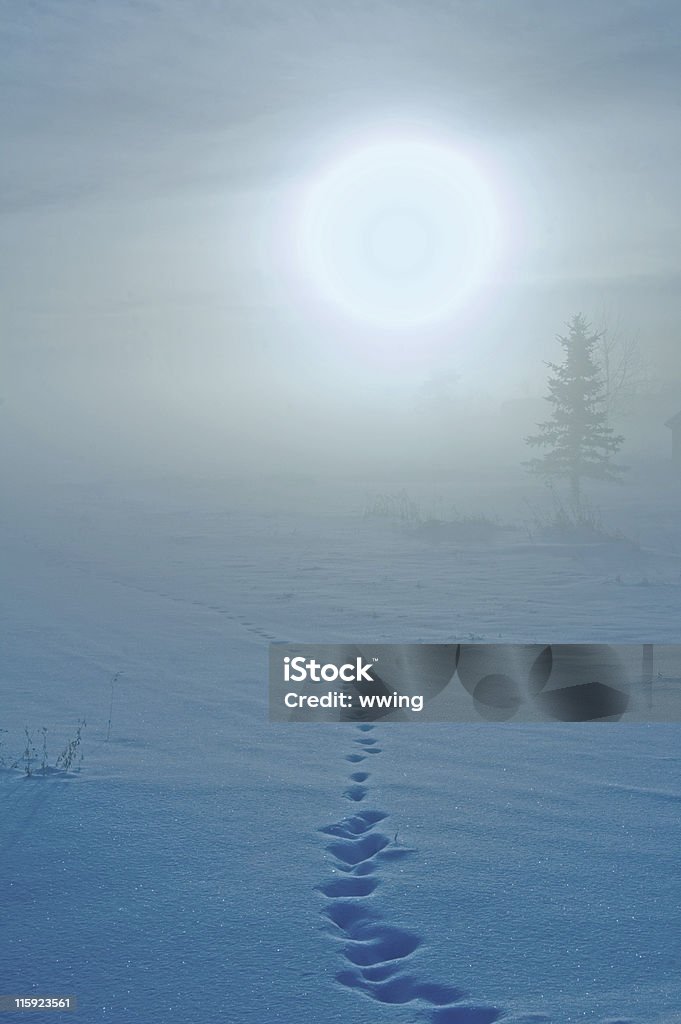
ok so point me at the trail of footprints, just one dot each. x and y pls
(246, 624)
(377, 958)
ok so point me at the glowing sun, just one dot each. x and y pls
(399, 233)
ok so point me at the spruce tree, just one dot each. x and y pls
(579, 442)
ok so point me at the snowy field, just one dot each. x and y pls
(204, 865)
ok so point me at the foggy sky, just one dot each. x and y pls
(145, 143)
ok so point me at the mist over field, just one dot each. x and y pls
(285, 289)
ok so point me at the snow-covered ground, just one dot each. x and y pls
(206, 865)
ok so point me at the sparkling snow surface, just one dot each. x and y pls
(205, 865)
